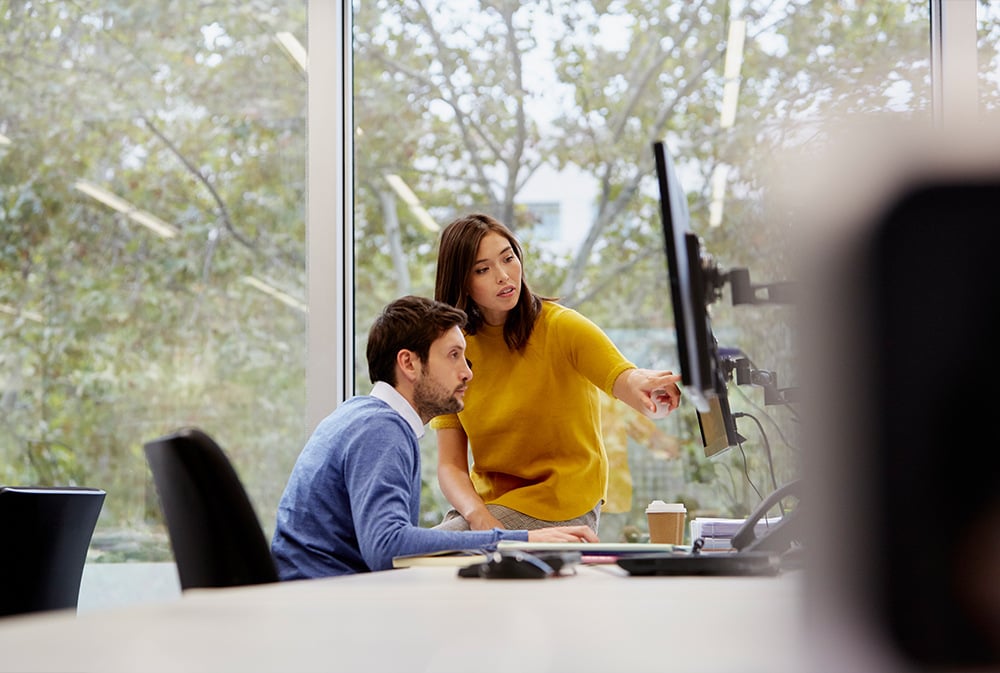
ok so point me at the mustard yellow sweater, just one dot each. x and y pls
(533, 417)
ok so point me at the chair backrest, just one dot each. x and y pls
(214, 532)
(46, 532)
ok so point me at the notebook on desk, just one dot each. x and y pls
(457, 558)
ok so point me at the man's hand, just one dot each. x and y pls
(563, 534)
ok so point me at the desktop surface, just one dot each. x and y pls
(429, 619)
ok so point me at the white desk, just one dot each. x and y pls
(428, 619)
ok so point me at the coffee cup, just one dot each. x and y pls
(666, 522)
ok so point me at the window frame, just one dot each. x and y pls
(329, 200)
(329, 210)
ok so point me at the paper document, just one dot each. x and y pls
(714, 527)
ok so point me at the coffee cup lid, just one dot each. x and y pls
(660, 506)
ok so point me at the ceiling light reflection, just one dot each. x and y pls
(146, 219)
(272, 291)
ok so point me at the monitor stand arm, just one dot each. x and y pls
(747, 374)
(745, 292)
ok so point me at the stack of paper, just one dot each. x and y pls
(717, 533)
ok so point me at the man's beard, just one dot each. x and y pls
(432, 399)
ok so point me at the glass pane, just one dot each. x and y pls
(543, 115)
(152, 247)
(987, 45)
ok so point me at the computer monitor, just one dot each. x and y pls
(702, 371)
(718, 427)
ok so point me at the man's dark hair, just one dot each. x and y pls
(411, 323)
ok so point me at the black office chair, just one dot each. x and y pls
(214, 531)
(46, 531)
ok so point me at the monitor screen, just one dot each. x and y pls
(701, 367)
(718, 427)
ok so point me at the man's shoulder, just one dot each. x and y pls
(364, 402)
(357, 423)
(363, 409)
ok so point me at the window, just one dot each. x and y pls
(152, 247)
(153, 206)
(543, 221)
(988, 33)
(472, 109)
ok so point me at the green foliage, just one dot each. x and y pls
(111, 335)
(477, 116)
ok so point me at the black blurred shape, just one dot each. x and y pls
(931, 333)
(47, 531)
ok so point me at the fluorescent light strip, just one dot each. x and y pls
(719, 177)
(411, 200)
(30, 315)
(731, 73)
(294, 49)
(276, 293)
(114, 202)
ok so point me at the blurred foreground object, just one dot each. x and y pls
(900, 327)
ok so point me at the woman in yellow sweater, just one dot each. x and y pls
(532, 418)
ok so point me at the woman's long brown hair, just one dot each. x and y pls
(456, 257)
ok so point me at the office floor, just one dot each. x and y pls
(111, 585)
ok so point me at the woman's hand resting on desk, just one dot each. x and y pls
(563, 534)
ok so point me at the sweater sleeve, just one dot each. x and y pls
(445, 421)
(591, 351)
(384, 487)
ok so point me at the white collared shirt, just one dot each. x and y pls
(391, 396)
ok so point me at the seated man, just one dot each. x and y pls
(352, 501)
